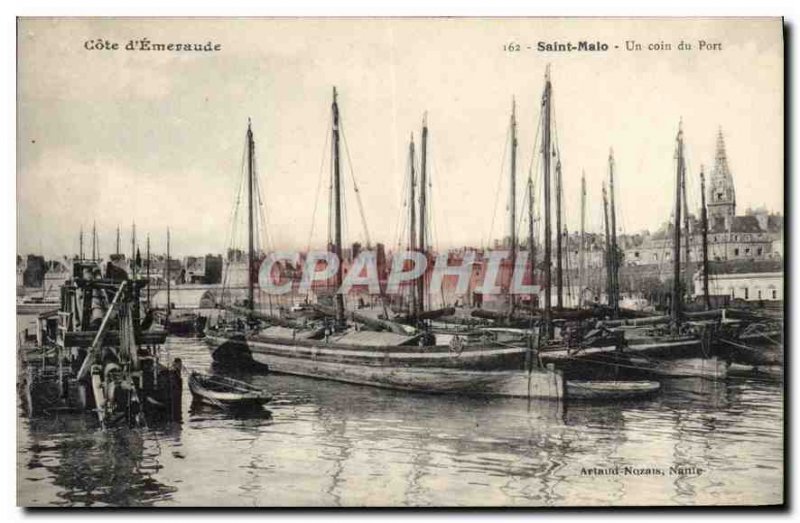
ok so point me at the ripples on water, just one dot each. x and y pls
(325, 443)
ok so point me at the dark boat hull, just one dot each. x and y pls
(469, 358)
(181, 327)
(751, 350)
(654, 346)
(225, 393)
(479, 371)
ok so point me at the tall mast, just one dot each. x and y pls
(531, 238)
(559, 268)
(80, 244)
(687, 269)
(94, 241)
(412, 217)
(704, 222)
(147, 270)
(676, 241)
(582, 245)
(512, 198)
(251, 255)
(609, 262)
(423, 197)
(547, 313)
(337, 207)
(169, 301)
(613, 259)
(133, 248)
(117, 240)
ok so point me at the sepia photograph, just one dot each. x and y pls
(443, 262)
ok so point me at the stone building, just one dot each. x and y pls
(757, 234)
(743, 280)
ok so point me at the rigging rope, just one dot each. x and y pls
(402, 222)
(234, 222)
(433, 239)
(497, 191)
(319, 188)
(355, 187)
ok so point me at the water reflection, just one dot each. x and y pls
(93, 467)
(325, 443)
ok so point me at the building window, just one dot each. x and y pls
(774, 294)
(759, 294)
(747, 250)
(747, 237)
(736, 252)
(746, 293)
(759, 251)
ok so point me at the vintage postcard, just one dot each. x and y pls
(400, 262)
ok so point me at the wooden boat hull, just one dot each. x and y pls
(708, 368)
(540, 384)
(655, 346)
(183, 324)
(664, 346)
(559, 356)
(480, 357)
(771, 338)
(181, 327)
(767, 371)
(227, 399)
(496, 372)
(745, 353)
(610, 390)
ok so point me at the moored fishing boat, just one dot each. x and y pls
(482, 373)
(226, 393)
(390, 360)
(677, 348)
(180, 323)
(367, 351)
(751, 342)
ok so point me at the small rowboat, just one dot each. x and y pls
(226, 393)
(770, 371)
(610, 390)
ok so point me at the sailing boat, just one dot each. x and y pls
(396, 358)
(679, 348)
(508, 314)
(420, 311)
(753, 343)
(177, 323)
(571, 346)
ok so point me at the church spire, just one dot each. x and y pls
(721, 157)
(721, 192)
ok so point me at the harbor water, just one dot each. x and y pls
(323, 443)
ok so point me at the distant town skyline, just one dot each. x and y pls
(157, 138)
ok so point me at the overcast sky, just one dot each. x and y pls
(157, 137)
